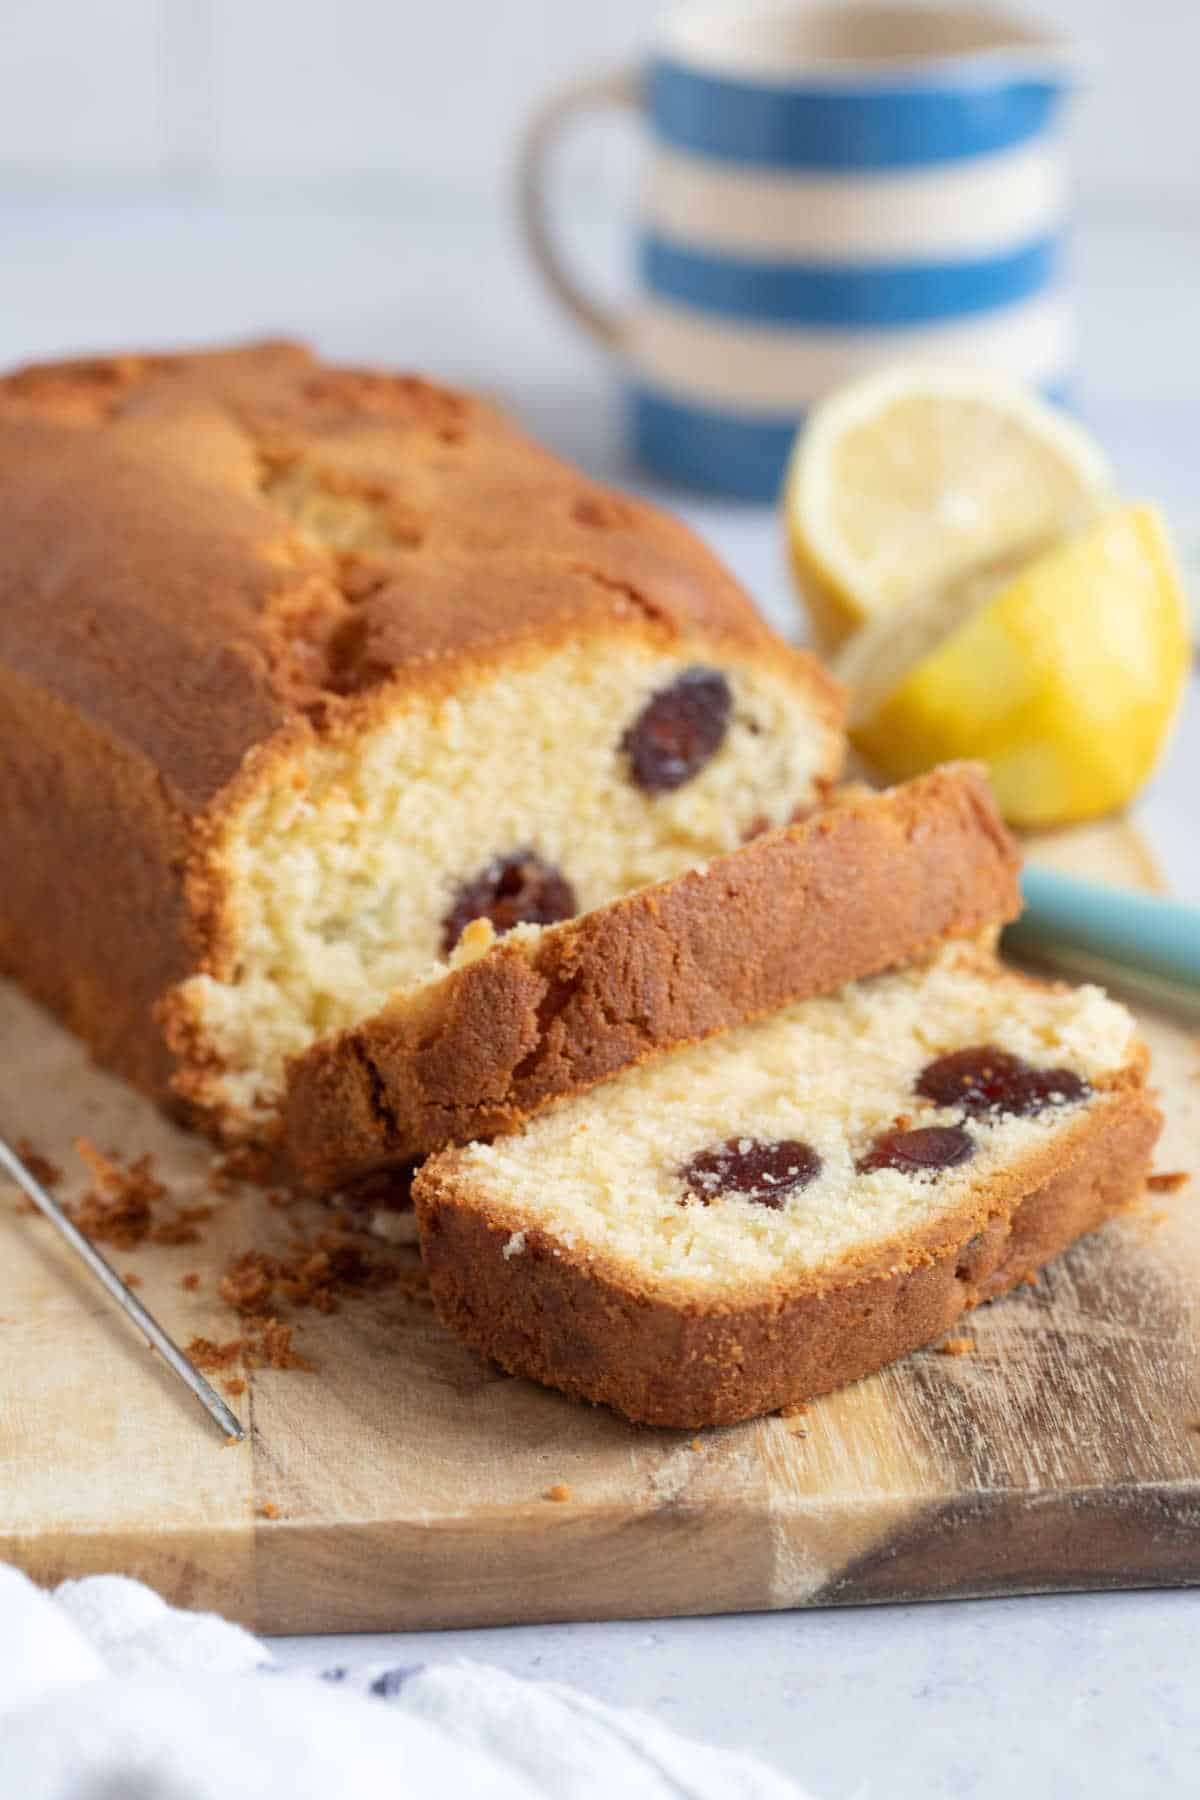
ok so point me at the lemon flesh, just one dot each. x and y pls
(906, 479)
(1062, 678)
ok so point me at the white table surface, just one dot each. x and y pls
(1044, 1697)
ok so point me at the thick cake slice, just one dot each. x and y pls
(302, 667)
(769, 1214)
(547, 1011)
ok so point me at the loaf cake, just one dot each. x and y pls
(764, 1216)
(303, 668)
(544, 1011)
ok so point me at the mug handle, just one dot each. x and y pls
(616, 87)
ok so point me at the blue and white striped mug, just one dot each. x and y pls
(830, 187)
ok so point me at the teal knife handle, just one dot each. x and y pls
(1131, 929)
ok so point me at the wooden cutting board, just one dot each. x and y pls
(409, 1479)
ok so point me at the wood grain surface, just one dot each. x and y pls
(409, 1479)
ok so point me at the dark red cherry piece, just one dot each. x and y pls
(984, 1079)
(679, 729)
(765, 1170)
(519, 889)
(922, 1151)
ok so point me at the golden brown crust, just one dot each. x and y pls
(853, 890)
(152, 576)
(92, 917)
(665, 1360)
(171, 628)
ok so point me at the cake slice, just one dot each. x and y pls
(509, 1025)
(769, 1214)
(302, 667)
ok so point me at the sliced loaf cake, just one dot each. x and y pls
(303, 668)
(764, 1216)
(507, 1026)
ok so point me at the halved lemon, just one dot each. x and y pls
(908, 478)
(1063, 675)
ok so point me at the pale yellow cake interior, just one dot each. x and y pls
(600, 1174)
(341, 871)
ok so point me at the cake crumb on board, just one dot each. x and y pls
(319, 1272)
(956, 1346)
(119, 1208)
(560, 1491)
(209, 1356)
(1167, 1181)
(249, 1163)
(266, 1345)
(39, 1166)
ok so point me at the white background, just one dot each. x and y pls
(405, 114)
(186, 170)
(432, 90)
(395, 121)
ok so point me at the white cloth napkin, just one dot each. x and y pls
(107, 1693)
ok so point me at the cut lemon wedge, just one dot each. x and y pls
(1063, 677)
(909, 477)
